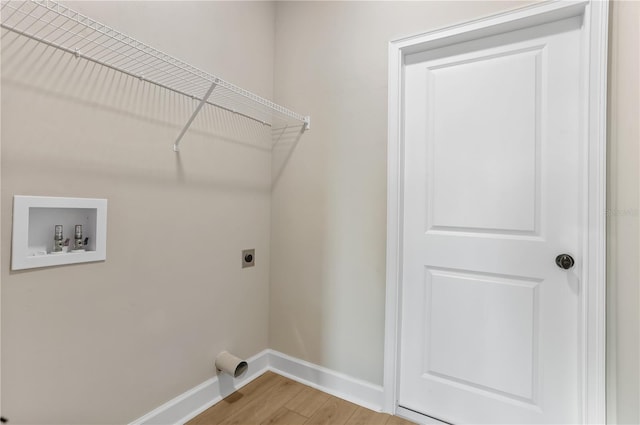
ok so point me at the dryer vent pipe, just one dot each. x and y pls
(231, 365)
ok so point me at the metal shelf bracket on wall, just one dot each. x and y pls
(59, 26)
(203, 101)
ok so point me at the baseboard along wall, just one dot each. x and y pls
(198, 399)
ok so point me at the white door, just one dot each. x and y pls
(492, 156)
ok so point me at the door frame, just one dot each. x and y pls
(593, 303)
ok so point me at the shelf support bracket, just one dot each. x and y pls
(176, 148)
(306, 123)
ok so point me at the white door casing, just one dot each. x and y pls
(496, 165)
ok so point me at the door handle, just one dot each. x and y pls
(565, 261)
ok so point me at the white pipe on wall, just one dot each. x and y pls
(231, 365)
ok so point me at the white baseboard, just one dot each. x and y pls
(195, 401)
(198, 399)
(335, 383)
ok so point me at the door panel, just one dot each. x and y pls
(473, 165)
(492, 147)
(471, 314)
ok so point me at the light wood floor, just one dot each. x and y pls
(274, 399)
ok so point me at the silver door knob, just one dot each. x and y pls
(565, 261)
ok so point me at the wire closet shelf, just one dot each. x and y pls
(61, 27)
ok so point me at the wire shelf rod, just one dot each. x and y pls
(59, 26)
(106, 65)
(101, 60)
(15, 10)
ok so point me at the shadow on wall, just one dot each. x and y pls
(284, 141)
(43, 71)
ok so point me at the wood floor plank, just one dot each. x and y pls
(334, 411)
(364, 416)
(237, 401)
(395, 420)
(272, 399)
(307, 402)
(284, 416)
(266, 403)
